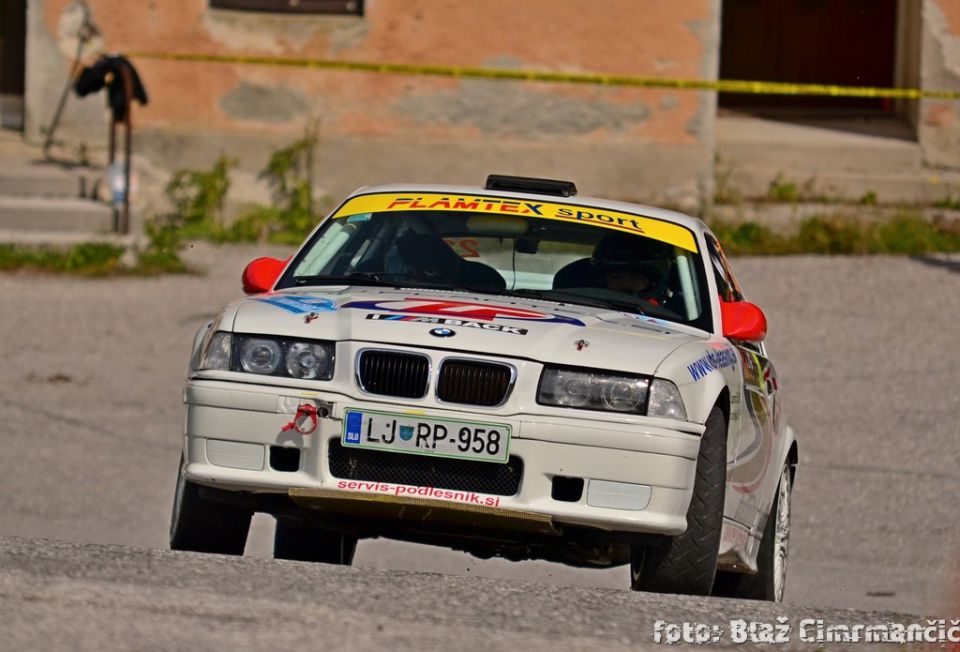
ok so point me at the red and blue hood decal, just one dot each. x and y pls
(485, 324)
(465, 310)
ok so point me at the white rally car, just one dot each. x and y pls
(510, 371)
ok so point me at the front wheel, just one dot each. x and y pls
(205, 526)
(687, 563)
(771, 577)
(302, 543)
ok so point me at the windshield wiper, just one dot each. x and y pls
(383, 279)
(457, 287)
(353, 278)
(561, 296)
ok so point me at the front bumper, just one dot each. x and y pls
(646, 471)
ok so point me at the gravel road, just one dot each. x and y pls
(867, 350)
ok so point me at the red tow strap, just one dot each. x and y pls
(304, 411)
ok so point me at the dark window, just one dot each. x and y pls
(727, 284)
(850, 43)
(13, 30)
(352, 7)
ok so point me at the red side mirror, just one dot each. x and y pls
(743, 320)
(260, 275)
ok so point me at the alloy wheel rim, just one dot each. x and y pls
(781, 539)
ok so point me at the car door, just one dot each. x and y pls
(754, 413)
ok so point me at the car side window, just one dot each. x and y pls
(727, 284)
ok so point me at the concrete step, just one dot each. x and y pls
(62, 238)
(825, 159)
(787, 158)
(11, 112)
(785, 218)
(25, 172)
(46, 214)
(921, 186)
(40, 179)
(863, 147)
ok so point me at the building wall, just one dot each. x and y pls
(626, 143)
(939, 124)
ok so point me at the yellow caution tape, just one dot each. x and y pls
(720, 85)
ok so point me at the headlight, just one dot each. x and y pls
(269, 356)
(665, 401)
(307, 360)
(216, 353)
(592, 390)
(260, 356)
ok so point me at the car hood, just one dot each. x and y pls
(559, 333)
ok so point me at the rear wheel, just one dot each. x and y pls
(302, 543)
(687, 563)
(770, 580)
(206, 526)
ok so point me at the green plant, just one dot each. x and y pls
(903, 234)
(86, 259)
(724, 191)
(748, 238)
(256, 224)
(152, 263)
(869, 199)
(831, 235)
(164, 243)
(949, 203)
(783, 191)
(289, 173)
(198, 197)
(910, 235)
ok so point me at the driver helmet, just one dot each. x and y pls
(428, 257)
(620, 256)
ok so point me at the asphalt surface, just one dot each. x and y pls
(91, 416)
(78, 597)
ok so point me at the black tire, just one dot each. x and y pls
(205, 526)
(687, 563)
(303, 543)
(765, 584)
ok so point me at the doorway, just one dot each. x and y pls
(13, 30)
(829, 146)
(848, 43)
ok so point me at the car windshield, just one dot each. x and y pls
(557, 252)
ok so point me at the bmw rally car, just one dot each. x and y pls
(510, 371)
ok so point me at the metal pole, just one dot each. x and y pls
(71, 77)
(85, 34)
(128, 147)
(113, 156)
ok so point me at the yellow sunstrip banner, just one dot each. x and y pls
(646, 226)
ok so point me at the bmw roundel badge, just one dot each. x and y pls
(442, 332)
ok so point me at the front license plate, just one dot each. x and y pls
(401, 433)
